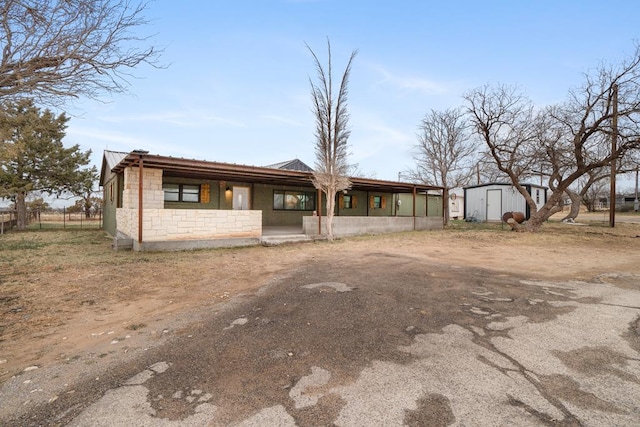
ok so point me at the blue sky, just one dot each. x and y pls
(236, 88)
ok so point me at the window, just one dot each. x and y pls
(294, 200)
(377, 202)
(537, 196)
(347, 201)
(181, 193)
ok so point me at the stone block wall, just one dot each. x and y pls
(190, 224)
(152, 188)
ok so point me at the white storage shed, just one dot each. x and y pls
(488, 202)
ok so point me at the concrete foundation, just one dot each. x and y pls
(355, 225)
(185, 245)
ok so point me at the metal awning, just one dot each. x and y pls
(202, 169)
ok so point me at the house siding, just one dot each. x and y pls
(110, 200)
(430, 205)
(214, 195)
(263, 200)
(360, 208)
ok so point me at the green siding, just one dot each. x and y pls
(360, 208)
(263, 200)
(110, 195)
(434, 206)
(216, 195)
(406, 205)
(429, 207)
(388, 200)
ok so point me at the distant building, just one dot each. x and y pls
(488, 202)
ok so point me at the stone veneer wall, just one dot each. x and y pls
(190, 224)
(152, 188)
(159, 224)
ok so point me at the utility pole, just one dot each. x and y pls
(635, 202)
(614, 158)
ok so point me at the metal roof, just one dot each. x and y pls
(110, 160)
(295, 164)
(202, 169)
(524, 184)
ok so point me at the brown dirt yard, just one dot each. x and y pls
(65, 295)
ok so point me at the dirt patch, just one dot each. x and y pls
(66, 294)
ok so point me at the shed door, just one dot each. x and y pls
(494, 205)
(241, 198)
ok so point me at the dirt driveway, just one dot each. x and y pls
(438, 328)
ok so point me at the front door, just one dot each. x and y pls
(241, 198)
(494, 205)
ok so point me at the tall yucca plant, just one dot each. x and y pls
(331, 132)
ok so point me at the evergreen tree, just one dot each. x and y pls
(32, 156)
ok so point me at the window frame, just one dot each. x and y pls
(192, 190)
(283, 201)
(347, 201)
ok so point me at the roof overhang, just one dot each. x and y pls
(202, 169)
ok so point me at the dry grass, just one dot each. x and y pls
(71, 283)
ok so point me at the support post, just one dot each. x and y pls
(614, 157)
(414, 208)
(635, 202)
(319, 212)
(140, 204)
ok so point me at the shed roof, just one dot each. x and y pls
(524, 184)
(110, 160)
(202, 169)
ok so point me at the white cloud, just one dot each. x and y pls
(422, 84)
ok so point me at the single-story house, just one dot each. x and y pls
(154, 202)
(488, 202)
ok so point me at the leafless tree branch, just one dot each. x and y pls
(54, 50)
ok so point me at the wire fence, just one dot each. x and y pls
(61, 219)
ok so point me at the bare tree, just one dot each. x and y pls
(332, 133)
(444, 153)
(594, 184)
(486, 171)
(53, 50)
(593, 196)
(506, 122)
(568, 139)
(585, 192)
